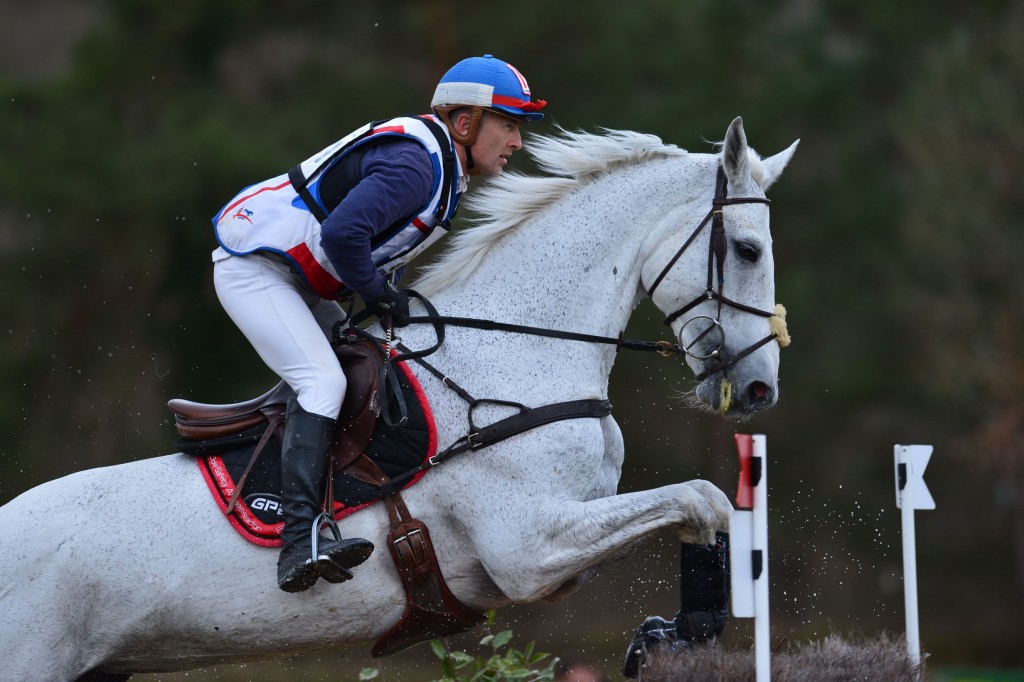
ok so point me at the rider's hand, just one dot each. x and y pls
(393, 301)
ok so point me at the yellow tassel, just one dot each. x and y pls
(777, 324)
(725, 393)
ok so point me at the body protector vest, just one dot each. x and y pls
(283, 215)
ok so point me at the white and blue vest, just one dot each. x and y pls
(283, 215)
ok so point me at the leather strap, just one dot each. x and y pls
(527, 419)
(275, 421)
(431, 609)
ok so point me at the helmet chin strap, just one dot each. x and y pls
(470, 165)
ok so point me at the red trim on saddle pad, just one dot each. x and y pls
(250, 527)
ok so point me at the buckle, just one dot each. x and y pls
(414, 531)
(666, 349)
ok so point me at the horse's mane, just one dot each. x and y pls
(570, 158)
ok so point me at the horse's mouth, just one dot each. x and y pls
(721, 396)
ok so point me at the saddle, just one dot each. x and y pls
(360, 360)
(432, 610)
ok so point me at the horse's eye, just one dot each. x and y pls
(748, 252)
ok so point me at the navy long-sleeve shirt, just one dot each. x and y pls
(397, 182)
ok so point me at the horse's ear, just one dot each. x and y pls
(774, 165)
(734, 152)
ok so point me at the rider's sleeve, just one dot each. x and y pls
(398, 181)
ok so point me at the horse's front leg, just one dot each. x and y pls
(531, 556)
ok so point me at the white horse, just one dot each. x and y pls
(161, 582)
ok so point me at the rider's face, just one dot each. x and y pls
(497, 139)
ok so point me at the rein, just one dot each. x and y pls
(663, 348)
(717, 250)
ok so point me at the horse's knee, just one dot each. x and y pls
(701, 516)
(718, 501)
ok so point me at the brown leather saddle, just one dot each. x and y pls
(361, 362)
(432, 610)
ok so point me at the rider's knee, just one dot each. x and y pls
(325, 396)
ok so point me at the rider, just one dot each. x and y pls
(342, 223)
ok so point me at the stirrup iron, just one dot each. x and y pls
(329, 570)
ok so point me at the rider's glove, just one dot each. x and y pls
(393, 301)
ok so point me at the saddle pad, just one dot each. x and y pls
(257, 513)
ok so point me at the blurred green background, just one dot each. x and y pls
(125, 125)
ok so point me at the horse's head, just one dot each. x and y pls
(715, 280)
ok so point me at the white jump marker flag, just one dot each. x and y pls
(911, 494)
(748, 546)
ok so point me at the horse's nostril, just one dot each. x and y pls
(759, 392)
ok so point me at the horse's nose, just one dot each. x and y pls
(759, 396)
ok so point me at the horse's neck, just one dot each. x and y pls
(574, 267)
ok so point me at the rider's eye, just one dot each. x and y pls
(748, 252)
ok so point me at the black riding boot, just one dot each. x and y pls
(303, 483)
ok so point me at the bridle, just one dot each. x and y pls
(718, 248)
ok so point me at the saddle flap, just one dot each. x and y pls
(361, 361)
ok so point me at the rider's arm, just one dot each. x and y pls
(398, 180)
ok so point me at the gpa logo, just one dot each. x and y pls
(265, 505)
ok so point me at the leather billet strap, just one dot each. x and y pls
(275, 424)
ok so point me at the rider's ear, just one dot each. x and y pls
(463, 121)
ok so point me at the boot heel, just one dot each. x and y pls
(333, 558)
(332, 571)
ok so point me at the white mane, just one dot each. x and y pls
(571, 159)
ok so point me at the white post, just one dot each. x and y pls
(762, 632)
(910, 584)
(748, 547)
(911, 494)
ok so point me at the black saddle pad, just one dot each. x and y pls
(257, 513)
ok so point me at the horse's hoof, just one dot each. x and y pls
(654, 630)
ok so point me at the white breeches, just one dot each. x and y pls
(287, 324)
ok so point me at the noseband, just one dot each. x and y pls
(718, 247)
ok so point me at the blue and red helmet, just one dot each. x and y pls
(489, 83)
